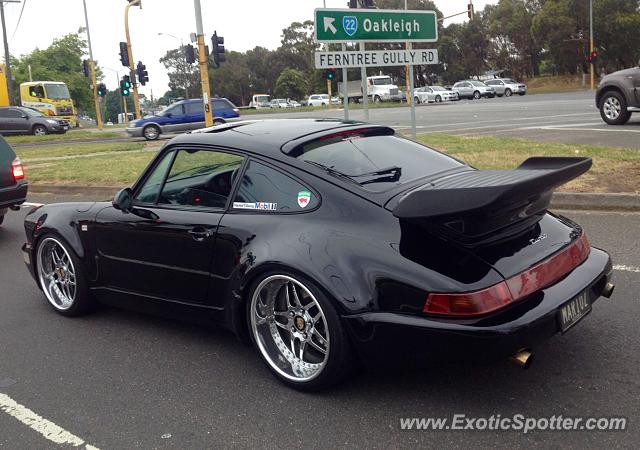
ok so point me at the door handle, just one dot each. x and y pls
(200, 234)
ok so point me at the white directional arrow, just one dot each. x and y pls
(328, 24)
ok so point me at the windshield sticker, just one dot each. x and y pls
(304, 197)
(263, 206)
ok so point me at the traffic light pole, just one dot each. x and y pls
(132, 68)
(204, 67)
(92, 68)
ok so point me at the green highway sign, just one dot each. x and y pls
(375, 25)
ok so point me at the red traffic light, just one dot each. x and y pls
(593, 57)
(470, 11)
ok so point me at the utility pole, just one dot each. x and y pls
(92, 66)
(406, 70)
(7, 56)
(132, 67)
(592, 66)
(204, 67)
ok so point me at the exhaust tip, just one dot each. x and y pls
(607, 291)
(524, 359)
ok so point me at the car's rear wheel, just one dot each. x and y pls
(613, 109)
(477, 95)
(1, 219)
(507, 92)
(377, 99)
(218, 121)
(39, 130)
(416, 100)
(298, 332)
(61, 277)
(151, 132)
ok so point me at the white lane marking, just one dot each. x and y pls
(47, 429)
(515, 119)
(31, 205)
(609, 130)
(624, 268)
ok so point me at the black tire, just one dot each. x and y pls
(1, 219)
(477, 95)
(416, 100)
(39, 130)
(219, 121)
(151, 132)
(339, 363)
(613, 108)
(438, 99)
(507, 92)
(377, 99)
(82, 302)
(522, 94)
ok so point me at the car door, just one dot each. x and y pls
(174, 119)
(164, 246)
(194, 112)
(17, 121)
(4, 121)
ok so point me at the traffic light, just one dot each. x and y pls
(329, 74)
(470, 11)
(353, 4)
(124, 54)
(368, 4)
(190, 53)
(102, 90)
(141, 72)
(85, 68)
(125, 86)
(593, 57)
(217, 43)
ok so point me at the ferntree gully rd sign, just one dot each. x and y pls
(375, 58)
(375, 25)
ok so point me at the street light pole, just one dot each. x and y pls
(204, 67)
(136, 99)
(592, 66)
(7, 56)
(92, 65)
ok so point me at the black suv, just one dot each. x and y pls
(20, 120)
(618, 96)
(13, 185)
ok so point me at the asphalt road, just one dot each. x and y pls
(118, 379)
(566, 118)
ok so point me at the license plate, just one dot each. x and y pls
(574, 310)
(65, 128)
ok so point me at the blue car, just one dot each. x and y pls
(182, 116)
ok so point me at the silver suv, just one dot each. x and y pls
(507, 87)
(473, 89)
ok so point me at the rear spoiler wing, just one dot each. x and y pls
(477, 202)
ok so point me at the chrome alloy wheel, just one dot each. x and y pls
(290, 328)
(612, 108)
(56, 274)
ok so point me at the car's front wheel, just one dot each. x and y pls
(298, 332)
(151, 132)
(39, 130)
(61, 277)
(438, 99)
(477, 95)
(416, 100)
(613, 109)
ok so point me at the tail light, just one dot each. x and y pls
(513, 289)
(17, 169)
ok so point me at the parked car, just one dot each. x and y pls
(182, 116)
(13, 184)
(279, 103)
(318, 100)
(313, 241)
(293, 104)
(473, 89)
(22, 120)
(507, 87)
(336, 101)
(618, 95)
(437, 94)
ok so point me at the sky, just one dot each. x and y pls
(243, 23)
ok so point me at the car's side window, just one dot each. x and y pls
(195, 108)
(14, 114)
(152, 185)
(265, 189)
(200, 178)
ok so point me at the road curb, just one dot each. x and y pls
(560, 200)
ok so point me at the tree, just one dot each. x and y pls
(291, 84)
(61, 61)
(231, 79)
(183, 77)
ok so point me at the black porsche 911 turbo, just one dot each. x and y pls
(325, 243)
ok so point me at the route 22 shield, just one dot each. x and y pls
(350, 25)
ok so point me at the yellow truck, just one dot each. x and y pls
(49, 97)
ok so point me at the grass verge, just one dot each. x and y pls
(614, 169)
(71, 135)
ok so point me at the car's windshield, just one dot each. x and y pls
(57, 91)
(510, 81)
(478, 83)
(376, 162)
(438, 88)
(262, 98)
(32, 112)
(382, 81)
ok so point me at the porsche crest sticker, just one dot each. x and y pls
(304, 197)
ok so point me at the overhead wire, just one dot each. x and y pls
(24, 3)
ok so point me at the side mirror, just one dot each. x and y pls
(123, 200)
(169, 115)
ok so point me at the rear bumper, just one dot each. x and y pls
(384, 337)
(13, 195)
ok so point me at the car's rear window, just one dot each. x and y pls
(375, 162)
